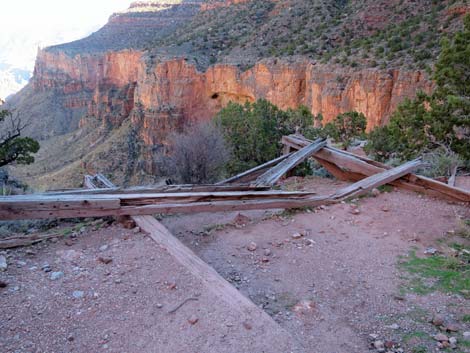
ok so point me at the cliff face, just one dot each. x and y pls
(171, 93)
(164, 63)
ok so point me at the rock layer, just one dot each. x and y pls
(165, 95)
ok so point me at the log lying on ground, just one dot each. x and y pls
(275, 173)
(31, 207)
(25, 240)
(348, 166)
(198, 268)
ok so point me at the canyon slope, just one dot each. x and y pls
(107, 102)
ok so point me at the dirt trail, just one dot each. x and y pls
(329, 289)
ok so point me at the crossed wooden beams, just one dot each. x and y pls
(230, 195)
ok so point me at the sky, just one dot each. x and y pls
(57, 14)
(26, 25)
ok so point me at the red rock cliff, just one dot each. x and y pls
(163, 96)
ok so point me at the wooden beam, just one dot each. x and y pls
(357, 165)
(275, 173)
(19, 207)
(377, 180)
(158, 189)
(253, 173)
(453, 175)
(198, 268)
(214, 282)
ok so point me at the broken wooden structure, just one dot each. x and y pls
(246, 191)
(229, 195)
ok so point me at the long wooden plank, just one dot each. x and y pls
(250, 313)
(377, 180)
(158, 189)
(275, 173)
(75, 201)
(16, 210)
(362, 165)
(213, 281)
(253, 173)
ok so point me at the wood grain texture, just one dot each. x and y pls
(358, 165)
(271, 176)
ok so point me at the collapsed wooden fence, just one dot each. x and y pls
(229, 195)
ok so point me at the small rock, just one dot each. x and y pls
(379, 345)
(296, 235)
(452, 328)
(118, 280)
(69, 255)
(445, 344)
(453, 341)
(78, 294)
(441, 337)
(267, 252)
(355, 211)
(240, 221)
(46, 268)
(159, 306)
(105, 260)
(104, 247)
(375, 192)
(374, 336)
(385, 209)
(430, 251)
(394, 326)
(56, 275)
(3, 263)
(466, 334)
(265, 259)
(247, 325)
(70, 338)
(252, 246)
(310, 242)
(437, 321)
(136, 230)
(193, 320)
(304, 307)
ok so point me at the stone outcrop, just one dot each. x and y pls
(168, 94)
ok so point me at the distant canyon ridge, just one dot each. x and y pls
(162, 64)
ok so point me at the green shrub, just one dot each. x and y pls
(431, 121)
(345, 127)
(254, 131)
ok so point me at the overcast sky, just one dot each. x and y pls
(26, 25)
(56, 14)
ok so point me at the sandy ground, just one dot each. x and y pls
(329, 290)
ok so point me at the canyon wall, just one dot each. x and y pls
(165, 95)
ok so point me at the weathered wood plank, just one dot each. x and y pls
(377, 180)
(210, 278)
(275, 173)
(253, 173)
(365, 166)
(158, 189)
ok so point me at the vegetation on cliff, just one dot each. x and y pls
(438, 120)
(351, 33)
(254, 131)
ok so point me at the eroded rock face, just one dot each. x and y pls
(164, 96)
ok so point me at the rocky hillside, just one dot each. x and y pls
(164, 63)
